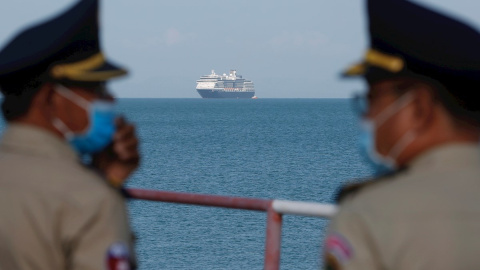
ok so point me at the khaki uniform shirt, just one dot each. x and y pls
(54, 212)
(426, 217)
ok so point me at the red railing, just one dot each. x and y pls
(274, 208)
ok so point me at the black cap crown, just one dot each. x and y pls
(65, 47)
(407, 39)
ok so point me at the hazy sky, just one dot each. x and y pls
(289, 49)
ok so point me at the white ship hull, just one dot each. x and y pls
(215, 93)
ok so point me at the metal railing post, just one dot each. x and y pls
(273, 240)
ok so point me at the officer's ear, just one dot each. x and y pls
(44, 95)
(424, 105)
(39, 106)
(46, 99)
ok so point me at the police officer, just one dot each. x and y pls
(56, 212)
(420, 132)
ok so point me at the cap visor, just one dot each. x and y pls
(94, 68)
(354, 70)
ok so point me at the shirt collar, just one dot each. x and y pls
(444, 157)
(32, 140)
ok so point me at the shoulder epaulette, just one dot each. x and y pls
(125, 193)
(353, 188)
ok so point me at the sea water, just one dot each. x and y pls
(291, 149)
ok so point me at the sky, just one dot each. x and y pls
(289, 49)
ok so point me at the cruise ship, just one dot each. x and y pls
(225, 86)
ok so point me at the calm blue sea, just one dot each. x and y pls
(293, 149)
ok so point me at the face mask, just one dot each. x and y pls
(101, 127)
(384, 164)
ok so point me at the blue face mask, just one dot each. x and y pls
(101, 128)
(384, 164)
(380, 165)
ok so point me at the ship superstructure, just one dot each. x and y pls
(225, 86)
